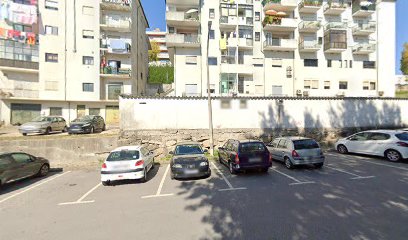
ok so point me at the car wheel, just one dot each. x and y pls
(342, 149)
(24, 134)
(65, 129)
(144, 179)
(288, 163)
(231, 168)
(43, 170)
(105, 183)
(104, 128)
(48, 130)
(393, 155)
(318, 165)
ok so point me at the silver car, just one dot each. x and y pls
(44, 125)
(296, 151)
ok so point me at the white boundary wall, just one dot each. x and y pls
(245, 113)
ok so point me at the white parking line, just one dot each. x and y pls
(297, 182)
(230, 187)
(158, 193)
(352, 174)
(80, 200)
(32, 187)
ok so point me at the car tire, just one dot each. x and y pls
(105, 183)
(48, 130)
(231, 168)
(44, 170)
(65, 129)
(393, 155)
(24, 134)
(288, 163)
(144, 179)
(104, 128)
(342, 149)
(318, 165)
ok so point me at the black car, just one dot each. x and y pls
(245, 155)
(189, 161)
(87, 124)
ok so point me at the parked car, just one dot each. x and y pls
(294, 151)
(87, 124)
(245, 155)
(18, 165)
(127, 163)
(391, 144)
(44, 125)
(189, 161)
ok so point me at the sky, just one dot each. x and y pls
(156, 9)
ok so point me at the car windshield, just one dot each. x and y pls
(188, 149)
(123, 155)
(42, 119)
(83, 119)
(305, 144)
(252, 147)
(402, 136)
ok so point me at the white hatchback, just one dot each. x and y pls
(392, 144)
(125, 163)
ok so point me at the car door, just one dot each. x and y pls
(55, 124)
(100, 122)
(358, 143)
(62, 123)
(377, 143)
(280, 150)
(272, 147)
(223, 150)
(26, 165)
(147, 156)
(8, 168)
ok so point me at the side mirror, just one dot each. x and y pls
(171, 153)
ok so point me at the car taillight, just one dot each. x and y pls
(139, 163)
(295, 154)
(402, 144)
(236, 159)
(270, 157)
(104, 165)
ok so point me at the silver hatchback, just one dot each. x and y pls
(296, 151)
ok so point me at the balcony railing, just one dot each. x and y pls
(182, 16)
(336, 26)
(336, 6)
(364, 48)
(118, 5)
(309, 45)
(175, 38)
(280, 42)
(279, 5)
(18, 64)
(228, 60)
(271, 21)
(312, 4)
(365, 27)
(122, 23)
(309, 26)
(363, 8)
(335, 45)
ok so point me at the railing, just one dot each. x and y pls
(282, 2)
(310, 3)
(126, 3)
(336, 4)
(366, 5)
(264, 2)
(120, 23)
(183, 38)
(18, 64)
(309, 44)
(182, 16)
(278, 21)
(116, 71)
(365, 27)
(335, 25)
(228, 60)
(365, 47)
(280, 42)
(335, 45)
(309, 25)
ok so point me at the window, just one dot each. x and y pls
(5, 160)
(379, 136)
(52, 5)
(22, 28)
(95, 111)
(171, 30)
(114, 90)
(212, 61)
(372, 85)
(257, 36)
(89, 34)
(257, 16)
(326, 84)
(359, 137)
(212, 13)
(346, 63)
(212, 34)
(368, 64)
(87, 60)
(329, 63)
(21, 158)
(55, 111)
(343, 85)
(225, 104)
(50, 30)
(351, 64)
(51, 57)
(282, 144)
(258, 65)
(88, 10)
(340, 64)
(80, 111)
(276, 62)
(191, 60)
(87, 87)
(311, 84)
(310, 62)
(366, 85)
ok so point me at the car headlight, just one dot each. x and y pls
(177, 166)
(203, 164)
(86, 125)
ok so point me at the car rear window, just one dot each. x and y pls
(402, 136)
(123, 155)
(188, 149)
(252, 147)
(305, 144)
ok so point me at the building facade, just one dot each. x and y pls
(282, 47)
(160, 38)
(76, 59)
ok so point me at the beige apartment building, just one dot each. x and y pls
(70, 57)
(282, 47)
(160, 38)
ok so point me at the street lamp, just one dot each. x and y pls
(209, 94)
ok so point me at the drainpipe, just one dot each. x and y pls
(75, 43)
(377, 54)
(137, 49)
(65, 54)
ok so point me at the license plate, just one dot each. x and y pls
(255, 160)
(191, 171)
(120, 166)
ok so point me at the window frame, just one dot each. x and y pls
(51, 57)
(88, 87)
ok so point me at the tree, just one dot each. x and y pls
(154, 53)
(404, 60)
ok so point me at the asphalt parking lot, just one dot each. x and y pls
(352, 197)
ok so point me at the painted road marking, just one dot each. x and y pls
(158, 193)
(297, 181)
(230, 187)
(32, 187)
(352, 174)
(80, 200)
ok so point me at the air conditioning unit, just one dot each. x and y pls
(306, 93)
(299, 92)
(341, 94)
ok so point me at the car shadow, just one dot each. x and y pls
(17, 185)
(404, 161)
(150, 175)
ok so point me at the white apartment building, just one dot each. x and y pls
(160, 38)
(282, 47)
(77, 57)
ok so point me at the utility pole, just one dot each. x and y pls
(209, 95)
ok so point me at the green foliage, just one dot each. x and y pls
(401, 94)
(404, 60)
(153, 54)
(161, 74)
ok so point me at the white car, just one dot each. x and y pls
(392, 144)
(126, 163)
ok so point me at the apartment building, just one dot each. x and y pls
(282, 47)
(159, 37)
(70, 57)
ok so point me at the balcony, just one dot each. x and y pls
(115, 73)
(116, 5)
(364, 48)
(245, 43)
(183, 19)
(309, 26)
(364, 29)
(335, 26)
(115, 46)
(363, 8)
(121, 25)
(309, 46)
(18, 66)
(278, 44)
(335, 47)
(310, 6)
(228, 22)
(183, 40)
(335, 7)
(273, 23)
(279, 5)
(245, 69)
(184, 2)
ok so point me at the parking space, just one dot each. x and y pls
(348, 188)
